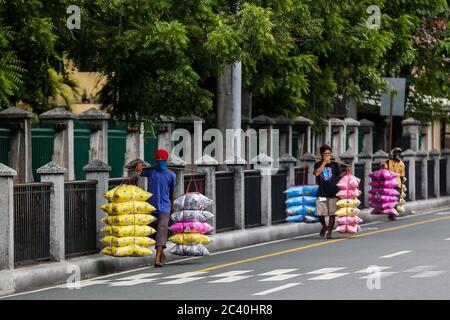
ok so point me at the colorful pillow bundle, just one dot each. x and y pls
(190, 225)
(301, 203)
(383, 195)
(127, 231)
(347, 213)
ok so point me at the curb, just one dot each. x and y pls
(57, 273)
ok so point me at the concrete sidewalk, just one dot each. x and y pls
(57, 273)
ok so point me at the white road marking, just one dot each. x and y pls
(379, 274)
(138, 276)
(230, 276)
(396, 254)
(370, 269)
(282, 277)
(447, 239)
(277, 272)
(184, 277)
(131, 282)
(286, 286)
(329, 276)
(442, 213)
(420, 268)
(427, 274)
(84, 284)
(326, 270)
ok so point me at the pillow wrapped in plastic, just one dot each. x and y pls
(183, 250)
(191, 215)
(383, 174)
(304, 210)
(382, 198)
(190, 238)
(401, 201)
(347, 220)
(384, 191)
(348, 182)
(127, 251)
(302, 218)
(348, 228)
(403, 195)
(348, 194)
(384, 184)
(191, 227)
(307, 190)
(129, 207)
(129, 220)
(128, 231)
(301, 200)
(192, 201)
(124, 193)
(348, 203)
(347, 212)
(404, 188)
(400, 208)
(127, 241)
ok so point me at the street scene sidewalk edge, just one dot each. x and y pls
(57, 273)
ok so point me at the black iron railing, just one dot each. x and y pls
(443, 176)
(359, 173)
(279, 185)
(199, 181)
(408, 180)
(430, 178)
(252, 200)
(418, 169)
(31, 222)
(225, 211)
(301, 175)
(80, 217)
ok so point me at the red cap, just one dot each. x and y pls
(161, 153)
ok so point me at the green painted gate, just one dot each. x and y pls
(4, 145)
(117, 138)
(150, 146)
(42, 148)
(81, 149)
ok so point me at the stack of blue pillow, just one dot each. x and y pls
(301, 203)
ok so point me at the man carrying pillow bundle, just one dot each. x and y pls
(396, 165)
(327, 174)
(161, 184)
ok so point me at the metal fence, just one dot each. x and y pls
(278, 197)
(418, 165)
(80, 217)
(31, 222)
(430, 178)
(359, 173)
(301, 175)
(252, 179)
(408, 180)
(443, 176)
(199, 182)
(225, 212)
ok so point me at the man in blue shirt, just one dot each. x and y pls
(161, 184)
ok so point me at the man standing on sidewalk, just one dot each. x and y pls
(327, 174)
(161, 184)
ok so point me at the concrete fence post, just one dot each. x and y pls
(446, 154)
(134, 144)
(264, 165)
(98, 121)
(288, 162)
(366, 159)
(63, 144)
(99, 171)
(422, 156)
(434, 155)
(6, 217)
(206, 165)
(409, 157)
(52, 172)
(348, 158)
(239, 192)
(379, 157)
(309, 159)
(178, 168)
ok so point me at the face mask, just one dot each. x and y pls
(161, 165)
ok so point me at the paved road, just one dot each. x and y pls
(412, 256)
